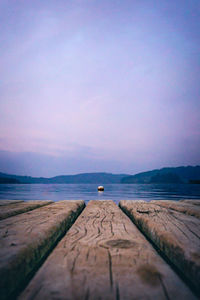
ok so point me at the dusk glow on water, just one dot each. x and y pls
(99, 93)
(115, 192)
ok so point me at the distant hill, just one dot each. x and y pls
(97, 178)
(166, 175)
(4, 180)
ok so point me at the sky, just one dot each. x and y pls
(93, 86)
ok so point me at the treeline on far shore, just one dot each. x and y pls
(178, 175)
(197, 181)
(4, 180)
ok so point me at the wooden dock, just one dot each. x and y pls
(64, 250)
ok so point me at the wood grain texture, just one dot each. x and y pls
(177, 235)
(193, 202)
(184, 207)
(104, 256)
(22, 207)
(26, 239)
(7, 202)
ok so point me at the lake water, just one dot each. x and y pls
(115, 192)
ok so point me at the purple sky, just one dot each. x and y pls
(99, 85)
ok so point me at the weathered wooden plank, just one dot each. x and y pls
(186, 208)
(22, 207)
(104, 256)
(193, 202)
(177, 235)
(26, 239)
(8, 202)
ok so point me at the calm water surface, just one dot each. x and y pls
(115, 192)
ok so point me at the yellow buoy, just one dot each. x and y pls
(100, 188)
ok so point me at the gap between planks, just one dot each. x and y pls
(105, 256)
(21, 207)
(8, 202)
(176, 235)
(26, 240)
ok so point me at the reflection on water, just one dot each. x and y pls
(115, 192)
